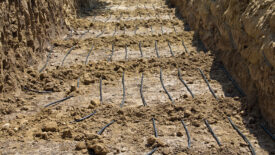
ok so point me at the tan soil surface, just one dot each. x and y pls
(27, 127)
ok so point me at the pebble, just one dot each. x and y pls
(6, 126)
(151, 140)
(66, 134)
(166, 151)
(179, 134)
(99, 149)
(187, 113)
(95, 102)
(80, 146)
(50, 127)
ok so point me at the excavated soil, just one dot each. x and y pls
(28, 127)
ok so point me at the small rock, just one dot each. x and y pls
(185, 96)
(73, 88)
(6, 126)
(174, 118)
(196, 124)
(166, 151)
(99, 149)
(43, 76)
(24, 109)
(151, 140)
(79, 137)
(66, 134)
(15, 129)
(50, 127)
(88, 80)
(41, 135)
(84, 151)
(179, 134)
(91, 136)
(159, 143)
(120, 112)
(120, 70)
(80, 146)
(187, 113)
(95, 103)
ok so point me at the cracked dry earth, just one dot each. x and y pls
(138, 29)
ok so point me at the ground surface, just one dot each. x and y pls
(33, 129)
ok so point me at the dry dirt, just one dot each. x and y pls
(28, 127)
(242, 35)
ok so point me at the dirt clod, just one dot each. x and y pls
(29, 28)
(80, 146)
(99, 148)
(66, 134)
(50, 127)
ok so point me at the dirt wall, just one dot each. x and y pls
(242, 35)
(26, 30)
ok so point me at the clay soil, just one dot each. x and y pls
(28, 127)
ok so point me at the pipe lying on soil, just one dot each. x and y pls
(185, 48)
(83, 34)
(211, 90)
(90, 51)
(120, 16)
(180, 77)
(174, 29)
(108, 18)
(59, 101)
(141, 53)
(156, 48)
(111, 56)
(88, 116)
(78, 81)
(101, 33)
(155, 128)
(233, 81)
(171, 51)
(100, 90)
(124, 31)
(115, 31)
(141, 91)
(123, 88)
(102, 130)
(187, 134)
(126, 53)
(268, 132)
(212, 132)
(37, 91)
(166, 91)
(67, 55)
(153, 151)
(243, 136)
(47, 60)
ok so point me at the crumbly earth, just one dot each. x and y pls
(28, 127)
(242, 34)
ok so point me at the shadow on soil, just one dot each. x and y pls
(251, 113)
(92, 8)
